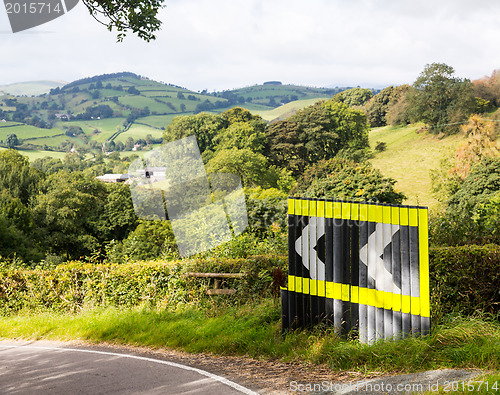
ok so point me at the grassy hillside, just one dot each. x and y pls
(32, 88)
(409, 157)
(114, 107)
(287, 109)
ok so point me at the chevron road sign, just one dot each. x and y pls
(357, 266)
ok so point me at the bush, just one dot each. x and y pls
(75, 285)
(341, 178)
(465, 279)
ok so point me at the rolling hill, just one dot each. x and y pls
(123, 110)
(31, 88)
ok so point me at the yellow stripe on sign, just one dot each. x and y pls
(423, 251)
(415, 305)
(320, 211)
(386, 214)
(337, 291)
(413, 216)
(305, 207)
(363, 212)
(371, 297)
(329, 290)
(372, 213)
(396, 302)
(354, 294)
(291, 206)
(354, 211)
(346, 210)
(298, 284)
(305, 286)
(379, 214)
(405, 304)
(379, 299)
(337, 210)
(395, 215)
(363, 295)
(403, 216)
(346, 297)
(313, 287)
(321, 288)
(312, 208)
(329, 209)
(297, 207)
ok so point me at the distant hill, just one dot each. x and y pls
(125, 111)
(31, 88)
(272, 94)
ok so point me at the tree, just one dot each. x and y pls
(317, 132)
(252, 167)
(18, 177)
(138, 16)
(481, 142)
(354, 97)
(346, 179)
(69, 213)
(12, 140)
(441, 100)
(488, 88)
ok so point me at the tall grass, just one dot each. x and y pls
(254, 330)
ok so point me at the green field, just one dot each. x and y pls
(157, 121)
(30, 88)
(287, 109)
(409, 158)
(139, 132)
(28, 132)
(38, 154)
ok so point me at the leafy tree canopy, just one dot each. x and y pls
(348, 180)
(252, 167)
(354, 97)
(138, 16)
(314, 133)
(440, 99)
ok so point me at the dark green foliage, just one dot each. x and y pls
(265, 208)
(441, 100)
(478, 187)
(376, 109)
(473, 212)
(345, 179)
(380, 146)
(12, 140)
(17, 177)
(354, 97)
(465, 279)
(315, 133)
(138, 16)
(71, 286)
(149, 240)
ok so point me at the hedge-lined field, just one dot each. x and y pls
(72, 286)
(463, 279)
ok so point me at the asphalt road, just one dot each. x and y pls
(38, 368)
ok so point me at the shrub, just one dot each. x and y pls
(465, 279)
(75, 285)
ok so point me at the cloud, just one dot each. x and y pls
(218, 44)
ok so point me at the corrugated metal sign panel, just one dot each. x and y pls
(357, 266)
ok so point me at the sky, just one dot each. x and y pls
(225, 44)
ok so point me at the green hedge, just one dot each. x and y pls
(465, 279)
(72, 286)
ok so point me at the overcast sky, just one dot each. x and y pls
(225, 44)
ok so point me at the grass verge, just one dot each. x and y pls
(254, 330)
